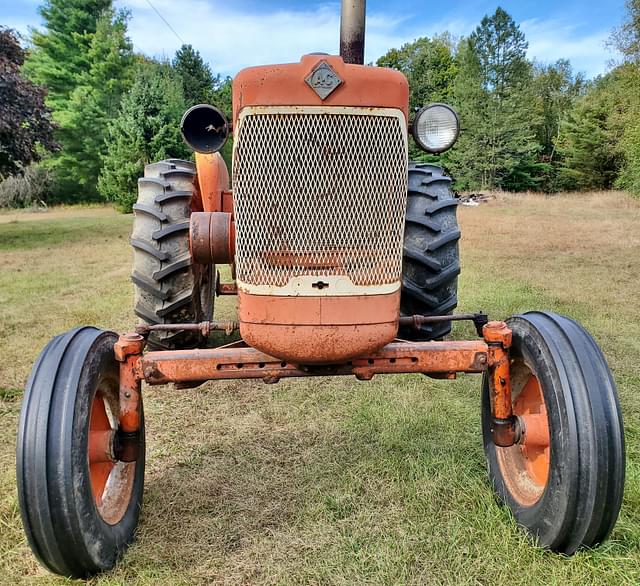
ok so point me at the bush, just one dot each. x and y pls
(30, 188)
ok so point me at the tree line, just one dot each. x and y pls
(527, 125)
(81, 112)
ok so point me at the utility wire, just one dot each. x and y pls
(166, 22)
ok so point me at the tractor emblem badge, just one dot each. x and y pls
(323, 80)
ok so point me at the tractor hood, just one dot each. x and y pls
(320, 80)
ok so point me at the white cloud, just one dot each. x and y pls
(550, 40)
(230, 39)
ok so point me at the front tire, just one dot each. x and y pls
(79, 511)
(564, 481)
(431, 260)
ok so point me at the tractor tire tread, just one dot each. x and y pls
(147, 247)
(145, 209)
(169, 287)
(431, 262)
(150, 285)
(171, 195)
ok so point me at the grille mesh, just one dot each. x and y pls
(319, 194)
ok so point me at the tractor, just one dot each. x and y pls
(344, 262)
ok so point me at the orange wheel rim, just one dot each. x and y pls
(99, 468)
(525, 467)
(111, 480)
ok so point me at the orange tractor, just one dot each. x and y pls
(344, 259)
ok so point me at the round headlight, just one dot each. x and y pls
(436, 128)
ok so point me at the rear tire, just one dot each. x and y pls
(431, 260)
(79, 511)
(565, 485)
(168, 286)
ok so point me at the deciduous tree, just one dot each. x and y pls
(26, 128)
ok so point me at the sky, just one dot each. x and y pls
(232, 34)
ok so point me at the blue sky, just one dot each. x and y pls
(232, 34)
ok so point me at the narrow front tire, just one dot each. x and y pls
(564, 481)
(79, 504)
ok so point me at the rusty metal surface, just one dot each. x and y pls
(226, 288)
(352, 31)
(310, 330)
(505, 429)
(128, 351)
(284, 84)
(415, 321)
(331, 311)
(100, 446)
(213, 183)
(205, 327)
(212, 237)
(318, 344)
(238, 362)
(498, 332)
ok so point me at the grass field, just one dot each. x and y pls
(333, 481)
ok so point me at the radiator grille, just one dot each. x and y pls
(320, 193)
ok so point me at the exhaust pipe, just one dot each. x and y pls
(204, 128)
(352, 25)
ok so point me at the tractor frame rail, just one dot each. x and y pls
(237, 360)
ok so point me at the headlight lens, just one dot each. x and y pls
(436, 128)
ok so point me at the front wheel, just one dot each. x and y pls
(79, 505)
(564, 481)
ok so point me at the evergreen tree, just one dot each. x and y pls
(222, 95)
(588, 143)
(59, 52)
(198, 83)
(92, 104)
(26, 129)
(495, 99)
(145, 130)
(556, 90)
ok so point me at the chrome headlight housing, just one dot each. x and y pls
(436, 128)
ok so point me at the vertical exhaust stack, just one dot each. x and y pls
(352, 26)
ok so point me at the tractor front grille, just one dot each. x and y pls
(319, 192)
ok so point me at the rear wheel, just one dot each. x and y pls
(431, 261)
(168, 286)
(79, 503)
(564, 480)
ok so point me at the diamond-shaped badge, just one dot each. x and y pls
(323, 80)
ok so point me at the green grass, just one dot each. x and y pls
(335, 481)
